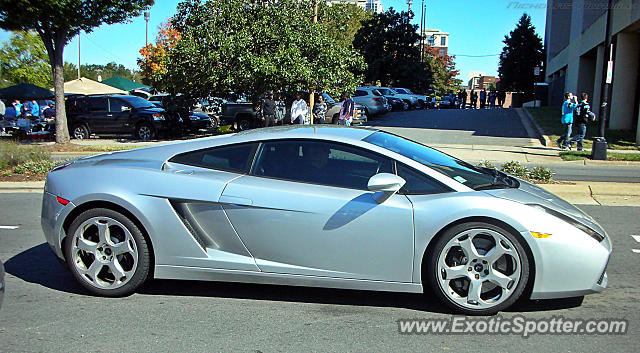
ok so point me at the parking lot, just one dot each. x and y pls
(46, 310)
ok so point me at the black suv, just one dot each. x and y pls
(114, 114)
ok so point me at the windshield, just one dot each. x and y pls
(328, 98)
(386, 92)
(400, 90)
(460, 171)
(137, 102)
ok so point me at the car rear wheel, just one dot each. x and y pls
(80, 132)
(107, 253)
(420, 104)
(244, 124)
(145, 132)
(478, 268)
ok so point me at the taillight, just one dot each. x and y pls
(376, 99)
(62, 166)
(62, 201)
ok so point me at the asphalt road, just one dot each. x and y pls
(501, 127)
(46, 311)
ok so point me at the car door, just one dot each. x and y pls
(97, 108)
(306, 213)
(119, 116)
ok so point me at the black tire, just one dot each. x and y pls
(145, 132)
(335, 119)
(432, 272)
(420, 105)
(244, 124)
(214, 123)
(409, 106)
(142, 270)
(80, 132)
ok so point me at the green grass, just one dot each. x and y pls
(549, 120)
(13, 154)
(611, 156)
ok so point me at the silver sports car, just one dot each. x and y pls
(319, 206)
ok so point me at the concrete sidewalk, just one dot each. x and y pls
(579, 192)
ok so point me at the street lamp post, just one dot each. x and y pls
(409, 2)
(599, 149)
(146, 30)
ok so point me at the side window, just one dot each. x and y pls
(117, 105)
(418, 183)
(235, 158)
(97, 104)
(376, 93)
(359, 93)
(75, 105)
(320, 162)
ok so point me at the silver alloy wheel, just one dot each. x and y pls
(479, 269)
(78, 132)
(144, 132)
(104, 252)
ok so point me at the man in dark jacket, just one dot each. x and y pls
(581, 117)
(268, 111)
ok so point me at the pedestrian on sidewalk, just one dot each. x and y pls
(347, 110)
(281, 109)
(299, 110)
(268, 111)
(319, 111)
(464, 99)
(582, 115)
(502, 96)
(474, 100)
(483, 98)
(568, 106)
(492, 99)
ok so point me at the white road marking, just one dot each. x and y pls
(9, 227)
(636, 238)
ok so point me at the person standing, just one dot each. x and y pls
(464, 99)
(18, 106)
(583, 113)
(347, 110)
(567, 120)
(299, 110)
(474, 99)
(492, 99)
(483, 98)
(281, 109)
(501, 98)
(319, 111)
(35, 109)
(268, 111)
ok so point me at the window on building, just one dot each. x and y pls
(443, 52)
(443, 41)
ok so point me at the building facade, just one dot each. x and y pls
(482, 82)
(375, 6)
(574, 38)
(437, 41)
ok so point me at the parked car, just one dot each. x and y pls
(114, 114)
(411, 99)
(448, 102)
(194, 122)
(396, 102)
(333, 111)
(322, 206)
(421, 98)
(373, 101)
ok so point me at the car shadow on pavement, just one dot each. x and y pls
(39, 265)
(413, 301)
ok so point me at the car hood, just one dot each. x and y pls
(528, 193)
(199, 115)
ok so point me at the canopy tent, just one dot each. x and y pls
(25, 91)
(84, 85)
(123, 83)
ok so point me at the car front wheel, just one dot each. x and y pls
(107, 253)
(145, 132)
(478, 268)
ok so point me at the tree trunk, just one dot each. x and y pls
(62, 131)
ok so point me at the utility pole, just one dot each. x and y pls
(422, 33)
(599, 149)
(78, 55)
(311, 92)
(146, 33)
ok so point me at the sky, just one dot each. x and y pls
(475, 27)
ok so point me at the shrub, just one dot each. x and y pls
(516, 169)
(35, 166)
(486, 164)
(541, 174)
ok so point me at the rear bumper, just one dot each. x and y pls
(51, 221)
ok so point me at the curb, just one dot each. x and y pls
(544, 139)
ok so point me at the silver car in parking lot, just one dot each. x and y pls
(323, 206)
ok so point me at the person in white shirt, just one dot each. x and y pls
(299, 110)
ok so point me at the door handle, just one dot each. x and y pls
(241, 201)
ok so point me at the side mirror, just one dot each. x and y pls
(385, 182)
(125, 108)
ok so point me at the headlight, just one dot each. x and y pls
(595, 235)
(158, 117)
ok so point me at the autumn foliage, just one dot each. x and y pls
(154, 56)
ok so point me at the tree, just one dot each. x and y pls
(153, 64)
(389, 44)
(444, 72)
(522, 52)
(252, 46)
(23, 59)
(92, 71)
(56, 22)
(342, 21)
